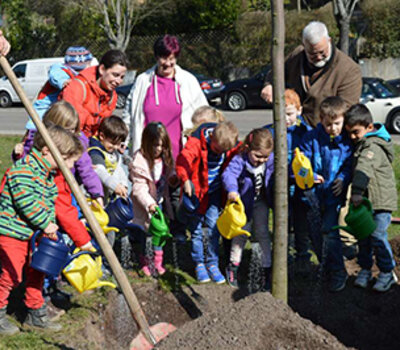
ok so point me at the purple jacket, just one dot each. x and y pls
(82, 170)
(236, 178)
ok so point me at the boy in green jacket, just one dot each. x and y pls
(373, 177)
(27, 195)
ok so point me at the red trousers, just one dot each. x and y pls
(14, 256)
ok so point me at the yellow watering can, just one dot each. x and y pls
(232, 219)
(101, 217)
(302, 170)
(85, 271)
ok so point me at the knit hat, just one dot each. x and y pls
(78, 57)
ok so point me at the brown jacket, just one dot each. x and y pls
(340, 77)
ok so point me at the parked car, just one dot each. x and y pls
(383, 101)
(243, 93)
(395, 83)
(211, 87)
(31, 74)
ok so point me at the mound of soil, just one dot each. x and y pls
(256, 322)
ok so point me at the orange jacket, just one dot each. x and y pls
(90, 101)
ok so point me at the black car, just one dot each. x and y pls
(211, 87)
(395, 83)
(243, 93)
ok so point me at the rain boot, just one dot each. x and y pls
(38, 318)
(145, 266)
(158, 259)
(6, 327)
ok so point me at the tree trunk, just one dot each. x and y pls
(344, 27)
(343, 10)
(279, 266)
(299, 6)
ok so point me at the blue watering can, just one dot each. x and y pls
(51, 256)
(120, 214)
(187, 207)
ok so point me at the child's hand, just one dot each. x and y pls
(233, 196)
(100, 201)
(320, 179)
(356, 199)
(19, 149)
(337, 187)
(121, 190)
(51, 231)
(187, 188)
(87, 247)
(152, 208)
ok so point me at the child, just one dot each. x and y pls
(76, 59)
(373, 177)
(103, 150)
(329, 150)
(63, 114)
(205, 155)
(247, 176)
(150, 169)
(26, 205)
(296, 129)
(204, 114)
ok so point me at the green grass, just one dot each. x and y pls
(7, 144)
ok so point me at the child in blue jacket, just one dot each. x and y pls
(247, 176)
(330, 151)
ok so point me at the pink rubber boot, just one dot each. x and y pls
(144, 262)
(158, 259)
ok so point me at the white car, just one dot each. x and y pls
(383, 101)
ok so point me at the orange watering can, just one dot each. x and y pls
(302, 170)
(232, 219)
(101, 216)
(85, 271)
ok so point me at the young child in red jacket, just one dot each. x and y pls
(200, 163)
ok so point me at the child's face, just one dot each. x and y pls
(357, 132)
(291, 113)
(157, 149)
(109, 145)
(258, 157)
(333, 126)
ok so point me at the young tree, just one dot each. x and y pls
(279, 266)
(343, 10)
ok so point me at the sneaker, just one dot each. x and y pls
(384, 281)
(54, 313)
(231, 275)
(38, 318)
(337, 281)
(6, 327)
(202, 274)
(363, 278)
(216, 274)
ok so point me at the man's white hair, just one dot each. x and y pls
(314, 31)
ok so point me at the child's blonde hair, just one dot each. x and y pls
(292, 98)
(152, 133)
(67, 143)
(226, 135)
(204, 114)
(62, 113)
(258, 139)
(333, 107)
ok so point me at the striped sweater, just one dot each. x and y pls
(27, 200)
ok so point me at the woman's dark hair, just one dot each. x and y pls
(166, 45)
(112, 57)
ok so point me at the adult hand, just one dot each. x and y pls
(337, 187)
(356, 199)
(4, 45)
(121, 190)
(51, 231)
(233, 196)
(266, 93)
(187, 188)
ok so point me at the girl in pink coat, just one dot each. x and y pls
(151, 167)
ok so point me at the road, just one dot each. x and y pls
(13, 120)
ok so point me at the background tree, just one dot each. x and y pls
(343, 10)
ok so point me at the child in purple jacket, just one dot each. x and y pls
(247, 176)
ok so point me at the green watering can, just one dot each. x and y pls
(159, 228)
(360, 221)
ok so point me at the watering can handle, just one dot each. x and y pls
(73, 256)
(34, 236)
(367, 203)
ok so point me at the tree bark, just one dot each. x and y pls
(343, 10)
(279, 266)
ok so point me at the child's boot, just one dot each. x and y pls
(145, 266)
(38, 318)
(6, 327)
(158, 260)
(232, 275)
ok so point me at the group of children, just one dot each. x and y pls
(345, 148)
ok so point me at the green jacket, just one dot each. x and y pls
(373, 174)
(28, 196)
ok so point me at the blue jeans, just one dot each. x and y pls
(378, 244)
(334, 254)
(196, 230)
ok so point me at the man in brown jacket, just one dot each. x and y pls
(317, 70)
